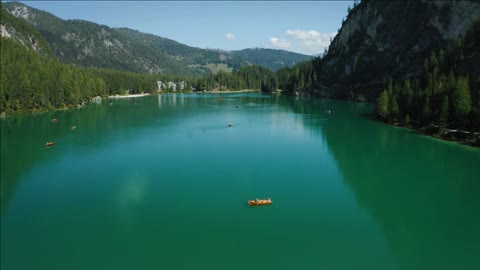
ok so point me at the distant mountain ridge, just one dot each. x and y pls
(89, 44)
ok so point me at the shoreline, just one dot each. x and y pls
(129, 96)
(460, 137)
(226, 91)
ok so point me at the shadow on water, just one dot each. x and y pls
(424, 193)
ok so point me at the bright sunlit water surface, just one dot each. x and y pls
(162, 182)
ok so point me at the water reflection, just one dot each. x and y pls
(422, 192)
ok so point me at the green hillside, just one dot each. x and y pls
(89, 44)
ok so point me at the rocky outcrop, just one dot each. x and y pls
(17, 30)
(390, 39)
(22, 12)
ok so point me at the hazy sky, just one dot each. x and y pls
(304, 27)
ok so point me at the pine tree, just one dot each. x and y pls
(3, 86)
(407, 119)
(390, 88)
(461, 100)
(451, 82)
(395, 110)
(408, 94)
(444, 111)
(427, 110)
(383, 105)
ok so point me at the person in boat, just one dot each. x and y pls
(268, 199)
(256, 200)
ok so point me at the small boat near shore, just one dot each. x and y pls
(260, 202)
(48, 144)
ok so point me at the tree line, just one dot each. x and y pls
(298, 78)
(447, 93)
(249, 77)
(32, 82)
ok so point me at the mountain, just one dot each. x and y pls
(90, 44)
(23, 33)
(273, 59)
(33, 79)
(191, 56)
(382, 40)
(419, 60)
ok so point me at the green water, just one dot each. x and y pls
(161, 182)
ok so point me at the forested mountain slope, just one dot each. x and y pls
(90, 44)
(380, 40)
(22, 32)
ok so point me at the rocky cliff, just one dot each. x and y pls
(380, 40)
(22, 32)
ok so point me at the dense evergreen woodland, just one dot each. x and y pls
(90, 44)
(447, 94)
(252, 77)
(30, 81)
(33, 79)
(290, 80)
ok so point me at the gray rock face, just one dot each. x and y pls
(390, 39)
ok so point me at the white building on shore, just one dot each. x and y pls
(160, 85)
(172, 86)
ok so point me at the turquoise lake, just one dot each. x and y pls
(162, 182)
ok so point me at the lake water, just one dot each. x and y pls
(162, 182)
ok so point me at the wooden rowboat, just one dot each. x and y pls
(260, 202)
